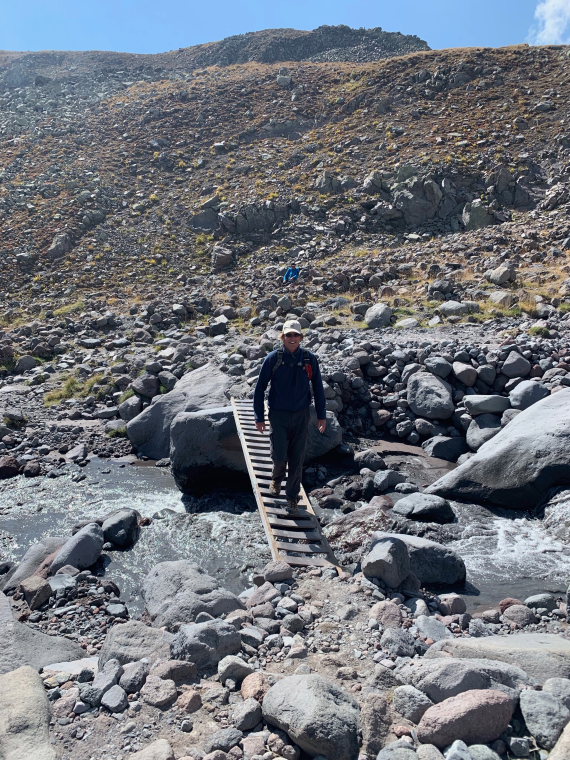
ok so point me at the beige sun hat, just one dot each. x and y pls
(291, 325)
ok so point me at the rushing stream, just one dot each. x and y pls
(225, 539)
(506, 554)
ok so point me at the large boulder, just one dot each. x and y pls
(24, 717)
(205, 644)
(443, 677)
(388, 560)
(527, 393)
(545, 716)
(429, 561)
(378, 315)
(203, 445)
(34, 560)
(521, 463)
(121, 528)
(203, 388)
(132, 641)
(541, 655)
(22, 645)
(82, 550)
(177, 591)
(318, 716)
(429, 396)
(478, 716)
(426, 507)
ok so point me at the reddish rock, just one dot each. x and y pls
(9, 467)
(477, 716)
(179, 671)
(36, 591)
(159, 692)
(255, 685)
(189, 701)
(504, 604)
(351, 531)
(519, 615)
(387, 613)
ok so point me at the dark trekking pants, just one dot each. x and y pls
(289, 432)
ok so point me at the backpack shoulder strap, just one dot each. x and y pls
(278, 361)
(308, 362)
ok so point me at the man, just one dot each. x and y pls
(292, 371)
(291, 274)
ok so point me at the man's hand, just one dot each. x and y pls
(260, 426)
(321, 425)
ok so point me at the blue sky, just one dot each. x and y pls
(153, 26)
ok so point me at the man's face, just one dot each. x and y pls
(291, 341)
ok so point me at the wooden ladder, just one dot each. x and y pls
(295, 538)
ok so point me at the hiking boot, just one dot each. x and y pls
(292, 505)
(275, 487)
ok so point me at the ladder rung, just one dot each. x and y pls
(315, 561)
(290, 522)
(297, 534)
(302, 548)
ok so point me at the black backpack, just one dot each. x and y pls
(307, 356)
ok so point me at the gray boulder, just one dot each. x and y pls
(147, 386)
(130, 408)
(476, 215)
(423, 506)
(445, 447)
(444, 677)
(465, 373)
(438, 365)
(430, 397)
(527, 393)
(429, 561)
(122, 528)
(540, 655)
(521, 463)
(31, 562)
(205, 644)
(378, 315)
(398, 642)
(398, 752)
(485, 404)
(204, 444)
(545, 716)
(132, 641)
(176, 592)
(203, 388)
(410, 702)
(388, 560)
(418, 199)
(24, 717)
(82, 550)
(560, 688)
(317, 715)
(22, 645)
(515, 365)
(482, 429)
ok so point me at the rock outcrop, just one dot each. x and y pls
(519, 465)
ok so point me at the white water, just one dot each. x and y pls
(225, 539)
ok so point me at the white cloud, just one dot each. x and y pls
(552, 23)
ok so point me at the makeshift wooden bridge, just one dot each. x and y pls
(295, 537)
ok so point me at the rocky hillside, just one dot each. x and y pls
(113, 164)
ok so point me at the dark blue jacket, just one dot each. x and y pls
(290, 389)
